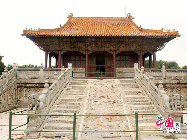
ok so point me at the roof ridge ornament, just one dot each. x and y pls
(70, 16)
(129, 16)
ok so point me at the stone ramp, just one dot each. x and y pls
(104, 99)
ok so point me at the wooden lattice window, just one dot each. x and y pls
(125, 60)
(76, 60)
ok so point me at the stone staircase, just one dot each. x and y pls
(102, 97)
(70, 101)
(183, 133)
(137, 101)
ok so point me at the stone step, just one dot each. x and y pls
(138, 103)
(146, 126)
(68, 103)
(78, 83)
(65, 111)
(69, 89)
(80, 80)
(132, 92)
(67, 106)
(58, 126)
(149, 107)
(73, 92)
(137, 100)
(70, 100)
(60, 119)
(129, 85)
(56, 135)
(67, 96)
(182, 136)
(132, 89)
(136, 97)
(106, 135)
(78, 87)
(147, 119)
(126, 81)
(141, 111)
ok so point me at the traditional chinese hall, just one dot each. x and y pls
(100, 43)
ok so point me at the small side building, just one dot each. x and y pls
(100, 43)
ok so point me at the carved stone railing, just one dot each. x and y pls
(48, 98)
(158, 96)
(9, 80)
(38, 73)
(8, 90)
(168, 75)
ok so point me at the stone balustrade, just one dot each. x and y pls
(157, 95)
(48, 97)
(8, 90)
(167, 75)
(9, 81)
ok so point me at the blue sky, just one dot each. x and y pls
(17, 15)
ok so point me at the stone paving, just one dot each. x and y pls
(16, 120)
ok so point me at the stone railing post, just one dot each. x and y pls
(142, 69)
(41, 71)
(135, 68)
(43, 95)
(164, 95)
(55, 75)
(62, 70)
(163, 73)
(15, 66)
(5, 73)
(69, 65)
(136, 65)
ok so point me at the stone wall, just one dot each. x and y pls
(17, 84)
(8, 88)
(78, 70)
(174, 81)
(125, 72)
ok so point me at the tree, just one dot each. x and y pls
(172, 65)
(168, 64)
(184, 67)
(29, 66)
(9, 67)
(2, 67)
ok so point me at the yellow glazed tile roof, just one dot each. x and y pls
(100, 26)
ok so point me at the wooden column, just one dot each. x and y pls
(46, 59)
(86, 62)
(140, 60)
(154, 59)
(143, 61)
(114, 62)
(150, 61)
(50, 61)
(56, 64)
(59, 59)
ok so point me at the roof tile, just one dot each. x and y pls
(100, 26)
